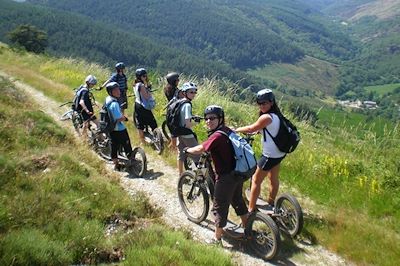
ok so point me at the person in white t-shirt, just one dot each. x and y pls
(269, 163)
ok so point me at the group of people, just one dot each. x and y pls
(227, 187)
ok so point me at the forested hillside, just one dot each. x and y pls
(242, 34)
(71, 35)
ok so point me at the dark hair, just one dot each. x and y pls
(274, 109)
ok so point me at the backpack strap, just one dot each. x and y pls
(108, 109)
(265, 129)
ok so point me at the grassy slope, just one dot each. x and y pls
(308, 74)
(383, 89)
(351, 173)
(55, 206)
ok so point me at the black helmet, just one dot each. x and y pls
(265, 95)
(120, 65)
(214, 109)
(172, 78)
(110, 86)
(140, 72)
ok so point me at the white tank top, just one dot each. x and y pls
(269, 149)
(137, 93)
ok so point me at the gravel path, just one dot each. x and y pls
(160, 186)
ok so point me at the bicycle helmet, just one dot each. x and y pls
(265, 95)
(120, 65)
(110, 86)
(214, 109)
(188, 86)
(172, 78)
(140, 72)
(91, 80)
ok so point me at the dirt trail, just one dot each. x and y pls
(160, 186)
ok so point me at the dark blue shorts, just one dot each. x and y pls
(266, 163)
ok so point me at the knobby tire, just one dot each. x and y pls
(288, 215)
(263, 235)
(193, 197)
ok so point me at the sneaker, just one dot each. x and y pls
(215, 242)
(269, 209)
(234, 232)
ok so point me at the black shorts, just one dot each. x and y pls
(266, 163)
(144, 117)
(86, 117)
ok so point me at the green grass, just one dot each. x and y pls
(309, 74)
(57, 199)
(382, 89)
(348, 165)
(355, 122)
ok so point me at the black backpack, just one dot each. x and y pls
(75, 102)
(288, 136)
(106, 123)
(173, 118)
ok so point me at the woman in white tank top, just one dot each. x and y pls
(269, 163)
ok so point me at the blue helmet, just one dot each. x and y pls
(120, 65)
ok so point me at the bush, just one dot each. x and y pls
(29, 37)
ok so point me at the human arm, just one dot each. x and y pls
(84, 107)
(263, 121)
(144, 92)
(199, 149)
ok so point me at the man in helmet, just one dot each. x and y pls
(171, 89)
(119, 136)
(187, 139)
(228, 187)
(84, 103)
(120, 77)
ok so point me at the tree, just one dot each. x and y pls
(30, 37)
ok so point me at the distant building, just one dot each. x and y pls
(359, 104)
(370, 104)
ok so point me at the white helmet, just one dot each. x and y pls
(91, 80)
(188, 86)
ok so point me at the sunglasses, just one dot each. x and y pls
(193, 92)
(211, 118)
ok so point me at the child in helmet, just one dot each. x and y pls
(144, 102)
(119, 136)
(85, 104)
(120, 77)
(269, 163)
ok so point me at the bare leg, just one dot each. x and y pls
(218, 232)
(141, 136)
(256, 181)
(273, 178)
(180, 167)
